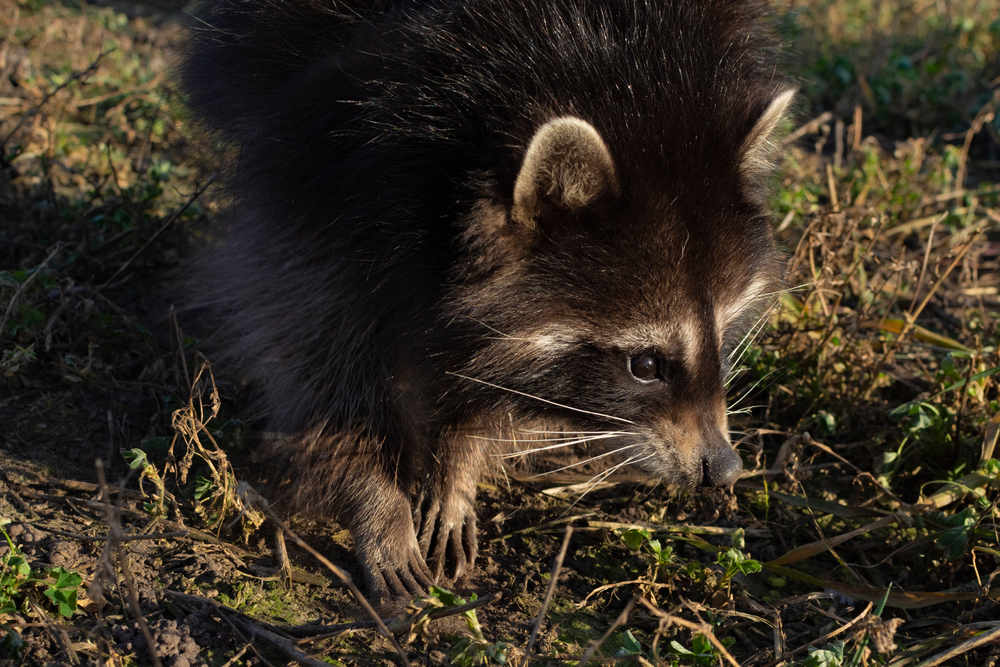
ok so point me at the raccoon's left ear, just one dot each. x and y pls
(758, 146)
(567, 166)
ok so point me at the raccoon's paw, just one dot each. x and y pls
(448, 539)
(406, 578)
(394, 568)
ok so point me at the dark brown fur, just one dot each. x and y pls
(423, 266)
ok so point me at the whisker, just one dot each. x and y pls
(745, 394)
(539, 398)
(786, 290)
(559, 445)
(744, 411)
(734, 373)
(580, 463)
(751, 335)
(758, 326)
(542, 432)
(597, 479)
(608, 434)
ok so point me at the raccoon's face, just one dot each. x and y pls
(619, 307)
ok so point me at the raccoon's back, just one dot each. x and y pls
(367, 130)
(244, 56)
(444, 88)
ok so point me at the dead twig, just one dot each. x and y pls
(556, 567)
(700, 627)
(239, 654)
(964, 647)
(828, 636)
(58, 634)
(166, 223)
(596, 644)
(30, 113)
(811, 126)
(254, 629)
(910, 317)
(113, 547)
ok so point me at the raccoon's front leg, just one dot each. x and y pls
(446, 515)
(386, 544)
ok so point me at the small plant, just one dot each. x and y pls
(18, 580)
(831, 655)
(62, 592)
(15, 575)
(628, 645)
(956, 532)
(736, 562)
(702, 651)
(473, 649)
(640, 539)
(137, 460)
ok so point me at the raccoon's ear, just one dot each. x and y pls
(567, 165)
(758, 146)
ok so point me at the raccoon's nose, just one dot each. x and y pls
(721, 465)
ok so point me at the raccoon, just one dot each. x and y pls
(465, 228)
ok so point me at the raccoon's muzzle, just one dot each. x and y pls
(720, 464)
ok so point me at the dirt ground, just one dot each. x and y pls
(865, 532)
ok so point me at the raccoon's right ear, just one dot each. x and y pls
(567, 166)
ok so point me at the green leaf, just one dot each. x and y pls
(634, 538)
(629, 644)
(62, 593)
(830, 656)
(136, 458)
(666, 556)
(677, 646)
(446, 597)
(66, 578)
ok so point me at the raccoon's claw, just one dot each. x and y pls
(393, 566)
(448, 538)
(408, 579)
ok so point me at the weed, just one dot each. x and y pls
(15, 575)
(18, 582)
(868, 401)
(63, 591)
(831, 655)
(702, 652)
(473, 649)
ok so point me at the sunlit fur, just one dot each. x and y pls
(377, 289)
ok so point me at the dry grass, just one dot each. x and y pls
(865, 534)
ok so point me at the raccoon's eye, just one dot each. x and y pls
(644, 367)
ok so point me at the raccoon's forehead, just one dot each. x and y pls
(664, 290)
(668, 264)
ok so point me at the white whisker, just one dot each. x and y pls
(559, 445)
(543, 432)
(744, 411)
(758, 326)
(748, 338)
(597, 479)
(596, 434)
(745, 394)
(580, 463)
(786, 290)
(538, 398)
